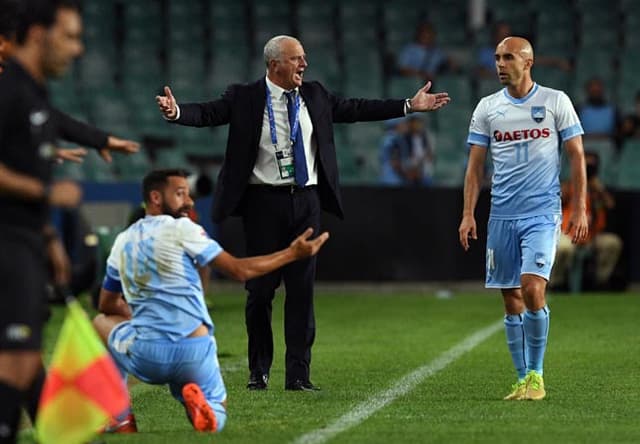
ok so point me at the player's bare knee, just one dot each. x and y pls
(513, 301)
(98, 321)
(103, 326)
(533, 288)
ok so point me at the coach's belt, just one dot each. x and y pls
(288, 189)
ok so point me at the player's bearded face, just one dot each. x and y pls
(182, 211)
(176, 201)
(62, 43)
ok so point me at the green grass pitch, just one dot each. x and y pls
(367, 342)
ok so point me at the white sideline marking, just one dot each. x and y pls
(403, 386)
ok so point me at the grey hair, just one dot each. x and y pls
(272, 49)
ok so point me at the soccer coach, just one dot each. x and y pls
(280, 169)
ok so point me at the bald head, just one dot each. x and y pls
(514, 59)
(517, 45)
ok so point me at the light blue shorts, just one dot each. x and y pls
(174, 363)
(520, 246)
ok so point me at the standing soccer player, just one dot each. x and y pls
(523, 125)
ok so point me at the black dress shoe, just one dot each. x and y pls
(258, 382)
(302, 386)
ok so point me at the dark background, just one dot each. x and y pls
(394, 234)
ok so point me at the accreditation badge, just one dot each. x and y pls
(284, 158)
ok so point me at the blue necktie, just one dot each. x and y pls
(299, 159)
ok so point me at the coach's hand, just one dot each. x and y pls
(168, 105)
(467, 231)
(424, 101)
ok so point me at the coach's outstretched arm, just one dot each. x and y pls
(243, 269)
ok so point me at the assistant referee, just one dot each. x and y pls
(47, 41)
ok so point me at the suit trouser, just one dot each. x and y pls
(273, 217)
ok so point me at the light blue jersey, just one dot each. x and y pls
(155, 260)
(524, 136)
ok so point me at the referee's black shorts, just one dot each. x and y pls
(23, 280)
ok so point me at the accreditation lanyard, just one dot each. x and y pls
(272, 120)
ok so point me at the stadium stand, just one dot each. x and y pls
(201, 46)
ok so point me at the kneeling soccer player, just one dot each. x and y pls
(161, 331)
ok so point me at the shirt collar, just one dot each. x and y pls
(276, 91)
(520, 100)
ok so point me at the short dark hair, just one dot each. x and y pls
(156, 180)
(39, 12)
(8, 18)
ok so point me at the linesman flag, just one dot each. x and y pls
(83, 389)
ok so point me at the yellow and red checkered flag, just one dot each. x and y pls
(83, 389)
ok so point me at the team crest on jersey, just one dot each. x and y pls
(538, 113)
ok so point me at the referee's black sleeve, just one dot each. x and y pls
(73, 130)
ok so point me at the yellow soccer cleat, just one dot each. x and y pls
(518, 391)
(535, 387)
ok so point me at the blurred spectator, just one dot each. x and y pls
(605, 247)
(554, 62)
(423, 58)
(486, 64)
(599, 117)
(486, 61)
(422, 150)
(407, 153)
(630, 125)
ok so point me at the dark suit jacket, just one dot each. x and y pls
(242, 107)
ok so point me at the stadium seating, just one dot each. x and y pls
(628, 177)
(201, 46)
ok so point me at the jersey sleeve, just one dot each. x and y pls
(567, 120)
(197, 243)
(115, 258)
(479, 131)
(112, 281)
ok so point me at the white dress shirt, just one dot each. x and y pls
(265, 170)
